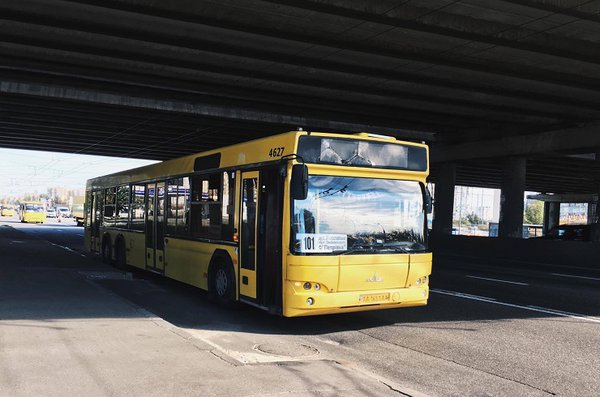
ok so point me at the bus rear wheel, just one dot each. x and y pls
(120, 255)
(106, 252)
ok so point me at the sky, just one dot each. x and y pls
(28, 171)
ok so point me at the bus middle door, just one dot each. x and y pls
(155, 223)
(96, 218)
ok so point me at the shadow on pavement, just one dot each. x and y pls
(42, 281)
(188, 307)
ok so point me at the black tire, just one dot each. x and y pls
(222, 284)
(106, 252)
(120, 255)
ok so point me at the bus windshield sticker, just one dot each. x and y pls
(321, 242)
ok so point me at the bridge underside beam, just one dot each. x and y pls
(580, 139)
(223, 112)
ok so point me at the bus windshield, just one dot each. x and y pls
(34, 208)
(344, 215)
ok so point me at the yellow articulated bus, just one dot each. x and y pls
(297, 224)
(32, 212)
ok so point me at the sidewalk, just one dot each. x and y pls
(62, 334)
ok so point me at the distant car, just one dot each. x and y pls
(51, 213)
(64, 212)
(570, 232)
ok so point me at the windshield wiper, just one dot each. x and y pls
(400, 249)
(354, 249)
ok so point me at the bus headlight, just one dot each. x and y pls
(317, 287)
(307, 285)
(310, 301)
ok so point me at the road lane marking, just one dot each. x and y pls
(498, 280)
(68, 249)
(538, 309)
(461, 294)
(570, 275)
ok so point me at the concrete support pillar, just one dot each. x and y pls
(511, 199)
(597, 179)
(595, 221)
(592, 218)
(444, 199)
(551, 216)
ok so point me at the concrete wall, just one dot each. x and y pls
(494, 251)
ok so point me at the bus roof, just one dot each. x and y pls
(261, 150)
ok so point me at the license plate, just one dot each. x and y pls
(373, 298)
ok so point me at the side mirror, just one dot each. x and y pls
(428, 201)
(299, 183)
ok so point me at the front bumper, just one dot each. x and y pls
(339, 302)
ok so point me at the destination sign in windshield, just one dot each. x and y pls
(360, 153)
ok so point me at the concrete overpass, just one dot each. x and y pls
(507, 92)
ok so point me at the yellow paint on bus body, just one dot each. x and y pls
(135, 244)
(231, 156)
(188, 260)
(347, 282)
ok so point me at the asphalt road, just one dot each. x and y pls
(486, 331)
(64, 233)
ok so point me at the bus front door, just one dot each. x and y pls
(260, 237)
(155, 215)
(248, 235)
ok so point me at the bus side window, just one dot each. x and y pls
(122, 209)
(172, 207)
(178, 206)
(228, 206)
(108, 218)
(137, 207)
(206, 215)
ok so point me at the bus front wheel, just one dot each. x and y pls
(223, 285)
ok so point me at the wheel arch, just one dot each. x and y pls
(106, 238)
(119, 239)
(106, 241)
